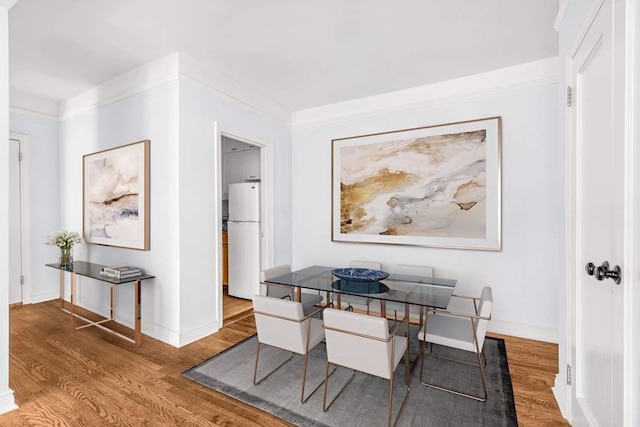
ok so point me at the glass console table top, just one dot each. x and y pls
(92, 270)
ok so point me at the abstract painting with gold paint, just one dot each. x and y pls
(430, 186)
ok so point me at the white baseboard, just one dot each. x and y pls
(45, 296)
(198, 333)
(560, 391)
(524, 331)
(7, 402)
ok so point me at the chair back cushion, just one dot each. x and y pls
(356, 352)
(273, 290)
(279, 326)
(414, 270)
(371, 265)
(484, 309)
(270, 273)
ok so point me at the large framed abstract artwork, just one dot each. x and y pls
(116, 196)
(430, 186)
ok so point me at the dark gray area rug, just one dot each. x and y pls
(364, 401)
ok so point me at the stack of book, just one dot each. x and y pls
(120, 272)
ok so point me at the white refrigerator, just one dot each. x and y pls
(243, 230)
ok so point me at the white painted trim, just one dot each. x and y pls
(45, 296)
(34, 105)
(7, 402)
(7, 4)
(218, 230)
(232, 90)
(163, 70)
(631, 413)
(585, 28)
(266, 200)
(24, 214)
(266, 196)
(198, 333)
(145, 77)
(522, 330)
(32, 113)
(521, 76)
(560, 392)
(562, 10)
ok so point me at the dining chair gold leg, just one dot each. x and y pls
(303, 399)
(326, 407)
(479, 365)
(255, 370)
(390, 410)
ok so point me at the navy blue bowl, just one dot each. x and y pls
(360, 274)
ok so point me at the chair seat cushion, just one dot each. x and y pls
(450, 331)
(309, 300)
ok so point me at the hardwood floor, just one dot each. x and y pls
(234, 309)
(90, 378)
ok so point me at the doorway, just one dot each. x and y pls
(18, 288)
(242, 238)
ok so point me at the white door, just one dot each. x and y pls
(599, 229)
(15, 222)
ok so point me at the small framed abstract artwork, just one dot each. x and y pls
(116, 196)
(433, 186)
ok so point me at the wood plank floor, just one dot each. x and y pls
(90, 378)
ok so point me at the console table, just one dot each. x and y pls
(89, 269)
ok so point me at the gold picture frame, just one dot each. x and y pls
(436, 186)
(116, 196)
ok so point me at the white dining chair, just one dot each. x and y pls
(284, 291)
(364, 344)
(282, 324)
(395, 308)
(463, 331)
(353, 300)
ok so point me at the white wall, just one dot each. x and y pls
(151, 114)
(201, 108)
(527, 274)
(177, 114)
(6, 394)
(43, 200)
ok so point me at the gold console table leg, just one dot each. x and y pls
(62, 289)
(73, 301)
(138, 303)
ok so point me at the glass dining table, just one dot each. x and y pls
(425, 292)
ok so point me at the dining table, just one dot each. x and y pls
(424, 292)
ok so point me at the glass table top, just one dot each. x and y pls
(90, 269)
(425, 291)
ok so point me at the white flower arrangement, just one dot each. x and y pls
(64, 239)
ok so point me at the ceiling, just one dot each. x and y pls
(298, 53)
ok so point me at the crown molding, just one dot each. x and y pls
(7, 4)
(164, 70)
(562, 10)
(33, 105)
(153, 74)
(521, 76)
(231, 89)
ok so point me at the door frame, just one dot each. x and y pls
(24, 214)
(266, 201)
(623, 73)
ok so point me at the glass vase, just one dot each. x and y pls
(65, 257)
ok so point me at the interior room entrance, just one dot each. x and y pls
(242, 231)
